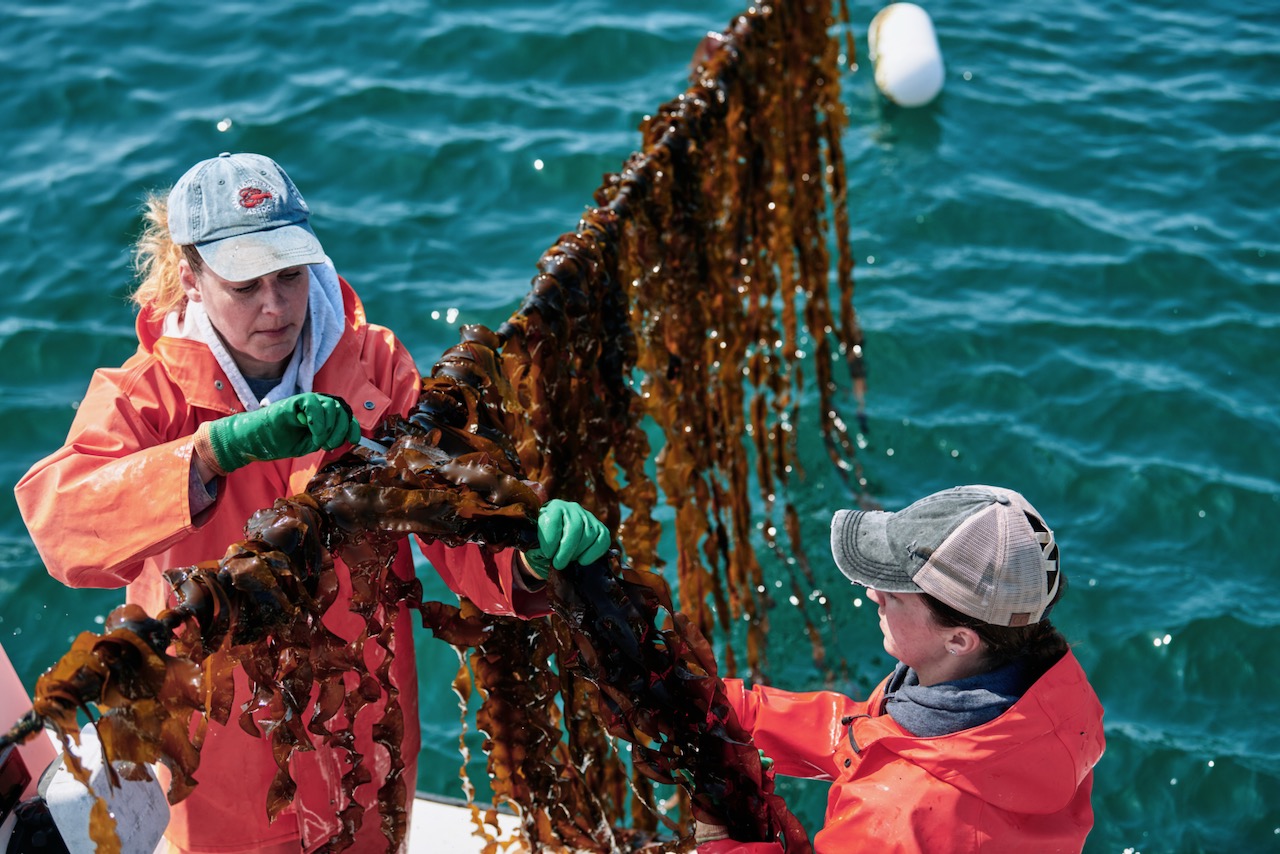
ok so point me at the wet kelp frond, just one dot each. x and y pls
(709, 263)
(692, 298)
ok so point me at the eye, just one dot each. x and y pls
(245, 290)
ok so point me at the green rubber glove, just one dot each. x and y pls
(765, 762)
(291, 427)
(566, 533)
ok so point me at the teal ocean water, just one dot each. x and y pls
(1068, 274)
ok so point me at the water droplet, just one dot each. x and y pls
(538, 164)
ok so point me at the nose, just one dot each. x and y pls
(273, 299)
(875, 596)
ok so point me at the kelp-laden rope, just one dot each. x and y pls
(707, 254)
(692, 275)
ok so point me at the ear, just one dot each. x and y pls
(962, 640)
(190, 283)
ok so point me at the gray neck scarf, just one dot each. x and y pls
(948, 707)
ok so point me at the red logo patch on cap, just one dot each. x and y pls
(251, 197)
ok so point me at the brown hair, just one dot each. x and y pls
(1039, 645)
(155, 260)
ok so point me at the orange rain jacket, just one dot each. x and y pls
(110, 508)
(1016, 784)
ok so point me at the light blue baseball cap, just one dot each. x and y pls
(244, 216)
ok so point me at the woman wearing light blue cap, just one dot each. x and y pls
(253, 355)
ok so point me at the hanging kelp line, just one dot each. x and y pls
(691, 298)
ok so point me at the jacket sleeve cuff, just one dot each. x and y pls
(200, 495)
(204, 450)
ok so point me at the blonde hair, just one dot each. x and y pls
(155, 260)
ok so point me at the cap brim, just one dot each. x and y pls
(862, 550)
(248, 256)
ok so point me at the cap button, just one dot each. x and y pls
(225, 154)
(1002, 499)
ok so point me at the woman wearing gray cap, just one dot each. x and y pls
(248, 344)
(985, 735)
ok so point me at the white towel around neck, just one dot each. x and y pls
(320, 334)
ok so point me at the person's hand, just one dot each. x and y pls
(711, 837)
(566, 533)
(705, 831)
(291, 427)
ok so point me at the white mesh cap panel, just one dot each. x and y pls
(993, 566)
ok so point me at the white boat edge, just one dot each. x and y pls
(444, 825)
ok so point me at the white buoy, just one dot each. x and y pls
(904, 50)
